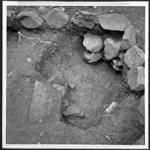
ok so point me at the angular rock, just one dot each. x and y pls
(93, 43)
(41, 103)
(56, 18)
(111, 48)
(29, 19)
(125, 44)
(134, 57)
(92, 57)
(84, 19)
(114, 21)
(130, 35)
(136, 78)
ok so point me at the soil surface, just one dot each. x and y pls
(57, 59)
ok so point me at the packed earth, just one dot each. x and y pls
(75, 75)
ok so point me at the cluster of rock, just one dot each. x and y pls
(121, 52)
(36, 18)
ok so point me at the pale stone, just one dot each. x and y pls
(114, 21)
(134, 57)
(136, 78)
(93, 43)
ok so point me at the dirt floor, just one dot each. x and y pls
(94, 87)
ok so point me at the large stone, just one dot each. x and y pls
(41, 103)
(114, 21)
(130, 34)
(111, 48)
(84, 19)
(136, 78)
(30, 19)
(134, 57)
(56, 18)
(93, 43)
(92, 57)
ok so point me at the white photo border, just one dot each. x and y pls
(84, 3)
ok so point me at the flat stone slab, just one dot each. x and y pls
(114, 21)
(136, 78)
(41, 103)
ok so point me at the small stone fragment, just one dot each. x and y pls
(111, 107)
(130, 35)
(111, 48)
(29, 19)
(92, 57)
(41, 103)
(136, 79)
(93, 43)
(114, 21)
(60, 88)
(84, 19)
(134, 57)
(56, 18)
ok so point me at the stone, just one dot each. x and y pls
(93, 43)
(59, 88)
(41, 103)
(92, 57)
(84, 19)
(111, 48)
(56, 18)
(30, 19)
(114, 21)
(130, 35)
(134, 57)
(111, 107)
(125, 45)
(142, 106)
(136, 78)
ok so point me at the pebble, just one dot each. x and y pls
(93, 43)
(111, 48)
(56, 18)
(136, 78)
(29, 60)
(92, 57)
(111, 107)
(114, 21)
(134, 57)
(29, 19)
(59, 88)
(130, 35)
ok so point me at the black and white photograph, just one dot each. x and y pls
(75, 74)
